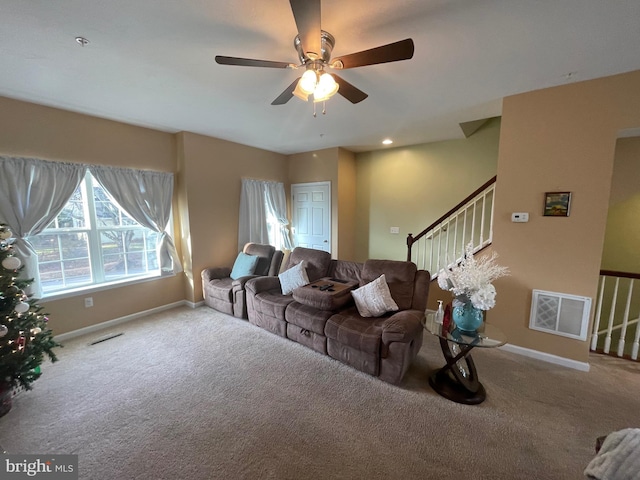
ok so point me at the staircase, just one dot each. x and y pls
(616, 322)
(442, 244)
(616, 326)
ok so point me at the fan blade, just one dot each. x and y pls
(393, 52)
(307, 16)
(287, 94)
(248, 62)
(348, 91)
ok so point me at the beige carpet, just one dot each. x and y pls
(194, 394)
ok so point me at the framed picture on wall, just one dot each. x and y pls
(557, 204)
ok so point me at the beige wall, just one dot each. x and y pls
(315, 166)
(411, 187)
(622, 234)
(346, 205)
(625, 182)
(182, 214)
(210, 177)
(337, 166)
(557, 139)
(30, 130)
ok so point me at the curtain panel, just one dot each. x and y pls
(252, 222)
(258, 199)
(146, 196)
(276, 202)
(32, 194)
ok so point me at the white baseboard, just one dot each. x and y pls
(192, 304)
(547, 357)
(116, 321)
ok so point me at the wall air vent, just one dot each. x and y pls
(560, 314)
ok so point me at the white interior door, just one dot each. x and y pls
(311, 215)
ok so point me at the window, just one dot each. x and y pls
(93, 241)
(274, 231)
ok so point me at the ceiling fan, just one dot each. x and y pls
(314, 47)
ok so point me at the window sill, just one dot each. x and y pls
(102, 286)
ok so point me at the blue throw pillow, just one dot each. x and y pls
(244, 265)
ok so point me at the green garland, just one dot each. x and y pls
(24, 335)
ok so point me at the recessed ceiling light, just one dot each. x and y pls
(387, 141)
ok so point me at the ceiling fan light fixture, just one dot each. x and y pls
(308, 82)
(325, 89)
(300, 93)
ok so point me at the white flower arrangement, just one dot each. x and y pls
(471, 280)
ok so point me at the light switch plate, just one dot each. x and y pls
(394, 230)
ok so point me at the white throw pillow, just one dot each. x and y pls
(374, 299)
(293, 278)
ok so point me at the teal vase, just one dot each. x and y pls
(467, 317)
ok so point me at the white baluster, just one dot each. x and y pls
(625, 321)
(432, 270)
(493, 203)
(446, 240)
(439, 247)
(482, 219)
(472, 236)
(596, 322)
(636, 341)
(607, 340)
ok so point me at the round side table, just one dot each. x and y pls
(458, 379)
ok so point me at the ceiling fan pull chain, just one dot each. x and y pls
(314, 109)
(324, 108)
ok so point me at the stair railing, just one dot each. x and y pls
(618, 311)
(443, 243)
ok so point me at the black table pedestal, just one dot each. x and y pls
(442, 382)
(458, 379)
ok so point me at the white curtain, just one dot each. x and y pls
(276, 202)
(32, 194)
(252, 226)
(146, 196)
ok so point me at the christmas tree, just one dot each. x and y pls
(24, 335)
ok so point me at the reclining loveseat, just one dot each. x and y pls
(223, 288)
(322, 314)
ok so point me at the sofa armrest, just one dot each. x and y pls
(262, 284)
(403, 326)
(239, 283)
(209, 274)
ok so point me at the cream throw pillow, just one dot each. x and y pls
(293, 278)
(374, 299)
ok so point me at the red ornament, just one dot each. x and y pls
(446, 320)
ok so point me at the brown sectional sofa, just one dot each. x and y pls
(331, 324)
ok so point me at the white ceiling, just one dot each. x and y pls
(151, 63)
